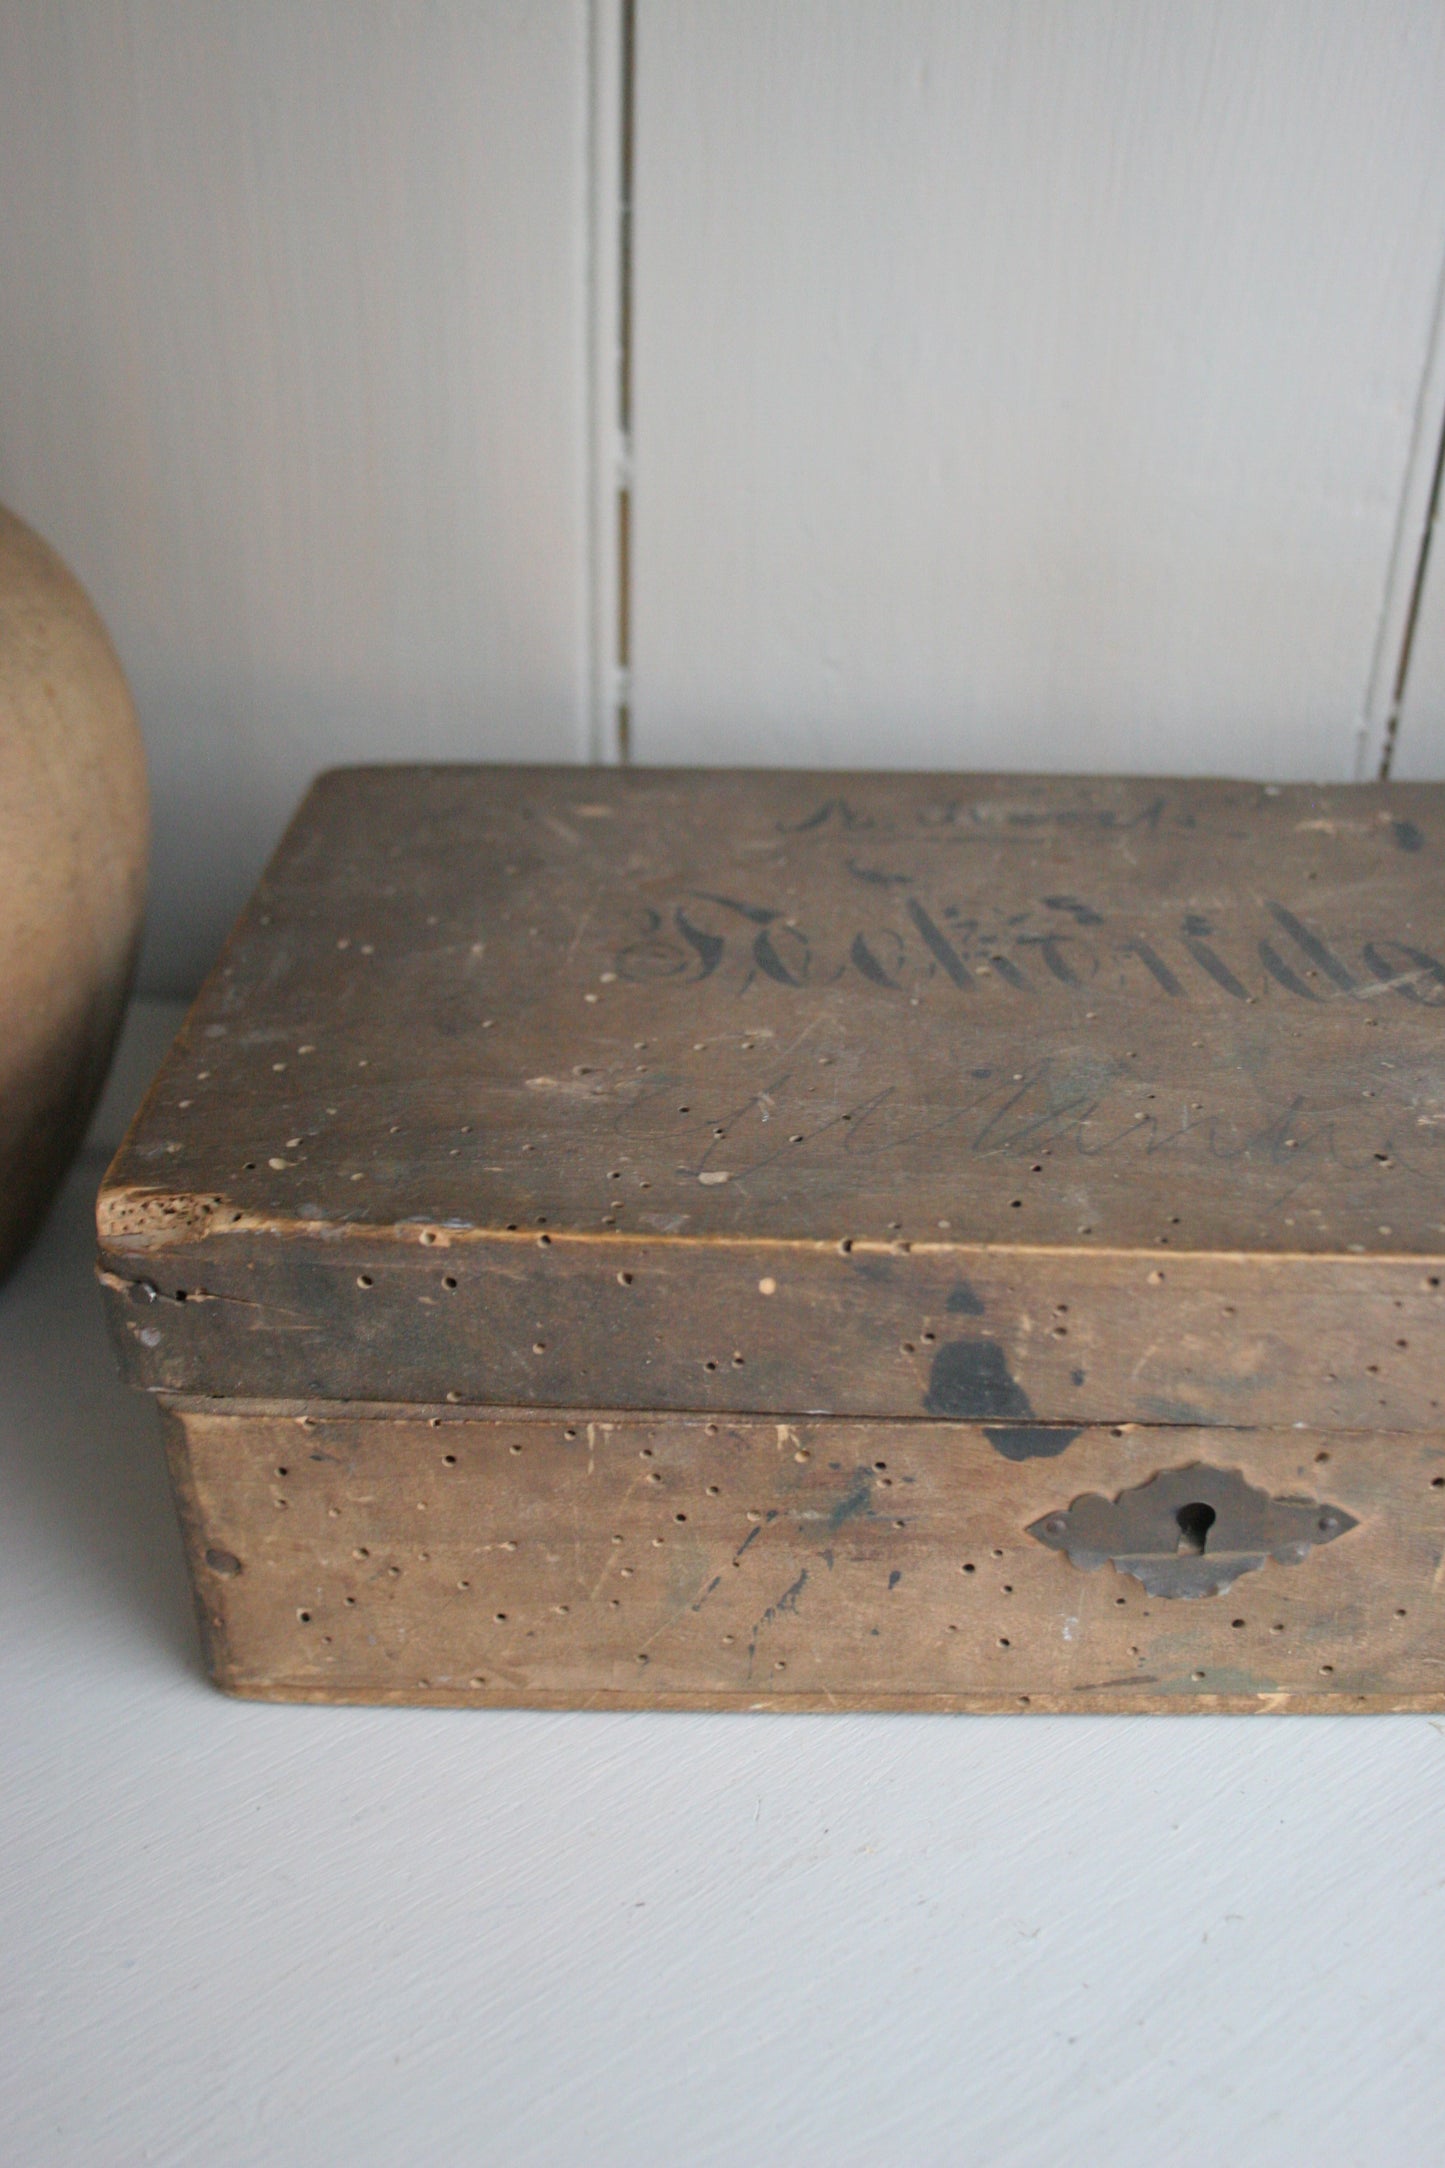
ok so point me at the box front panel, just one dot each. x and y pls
(415, 1555)
(878, 1331)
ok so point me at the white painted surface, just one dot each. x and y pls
(272, 1938)
(1402, 641)
(1420, 744)
(150, 1026)
(607, 420)
(293, 370)
(1420, 747)
(1027, 385)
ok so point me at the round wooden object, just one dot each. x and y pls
(74, 832)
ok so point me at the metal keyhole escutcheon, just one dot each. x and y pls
(1190, 1531)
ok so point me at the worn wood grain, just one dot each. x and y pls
(422, 1555)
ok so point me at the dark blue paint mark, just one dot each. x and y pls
(1032, 1441)
(856, 1500)
(939, 946)
(1051, 947)
(1194, 929)
(1322, 958)
(963, 1302)
(709, 946)
(876, 877)
(1154, 963)
(1425, 964)
(768, 959)
(893, 1579)
(788, 1601)
(1407, 835)
(970, 1382)
(1287, 976)
(865, 961)
(751, 1537)
(745, 910)
(1076, 1377)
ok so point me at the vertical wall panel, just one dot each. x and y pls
(1420, 746)
(1026, 384)
(292, 368)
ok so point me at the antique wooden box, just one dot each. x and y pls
(810, 1242)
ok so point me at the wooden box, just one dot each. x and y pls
(808, 1242)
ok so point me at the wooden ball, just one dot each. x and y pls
(74, 835)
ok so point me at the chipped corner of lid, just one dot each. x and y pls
(154, 1215)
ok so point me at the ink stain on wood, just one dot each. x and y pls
(969, 1381)
(856, 1501)
(1032, 1441)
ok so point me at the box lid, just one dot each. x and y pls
(1026, 1100)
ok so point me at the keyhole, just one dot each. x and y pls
(1195, 1522)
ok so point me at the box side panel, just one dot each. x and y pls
(208, 1565)
(874, 1330)
(645, 1560)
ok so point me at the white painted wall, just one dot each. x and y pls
(292, 369)
(1014, 382)
(1420, 746)
(1025, 384)
(1418, 752)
